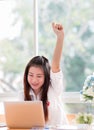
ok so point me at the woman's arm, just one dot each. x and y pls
(58, 29)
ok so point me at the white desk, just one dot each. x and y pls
(70, 127)
(65, 127)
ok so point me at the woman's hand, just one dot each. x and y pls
(58, 29)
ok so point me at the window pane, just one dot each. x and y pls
(77, 18)
(16, 42)
(75, 108)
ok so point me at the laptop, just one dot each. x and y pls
(24, 114)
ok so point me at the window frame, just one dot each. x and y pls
(67, 97)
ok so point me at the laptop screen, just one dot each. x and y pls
(24, 114)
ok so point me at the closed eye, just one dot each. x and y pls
(39, 76)
(30, 75)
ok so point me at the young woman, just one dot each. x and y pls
(44, 82)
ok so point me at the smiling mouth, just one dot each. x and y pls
(35, 85)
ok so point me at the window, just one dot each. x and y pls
(17, 43)
(77, 18)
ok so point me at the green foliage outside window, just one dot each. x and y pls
(77, 18)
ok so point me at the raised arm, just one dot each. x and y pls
(58, 29)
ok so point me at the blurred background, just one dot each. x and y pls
(25, 31)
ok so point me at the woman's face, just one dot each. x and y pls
(36, 78)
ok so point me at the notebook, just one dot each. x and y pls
(24, 114)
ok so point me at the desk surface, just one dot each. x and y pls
(2, 118)
(58, 128)
(65, 127)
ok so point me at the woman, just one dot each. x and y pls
(44, 82)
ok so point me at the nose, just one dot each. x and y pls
(34, 80)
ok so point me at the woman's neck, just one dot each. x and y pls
(36, 92)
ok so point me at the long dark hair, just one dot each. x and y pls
(42, 62)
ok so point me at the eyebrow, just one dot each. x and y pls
(33, 73)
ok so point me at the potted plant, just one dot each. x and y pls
(87, 93)
(84, 121)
